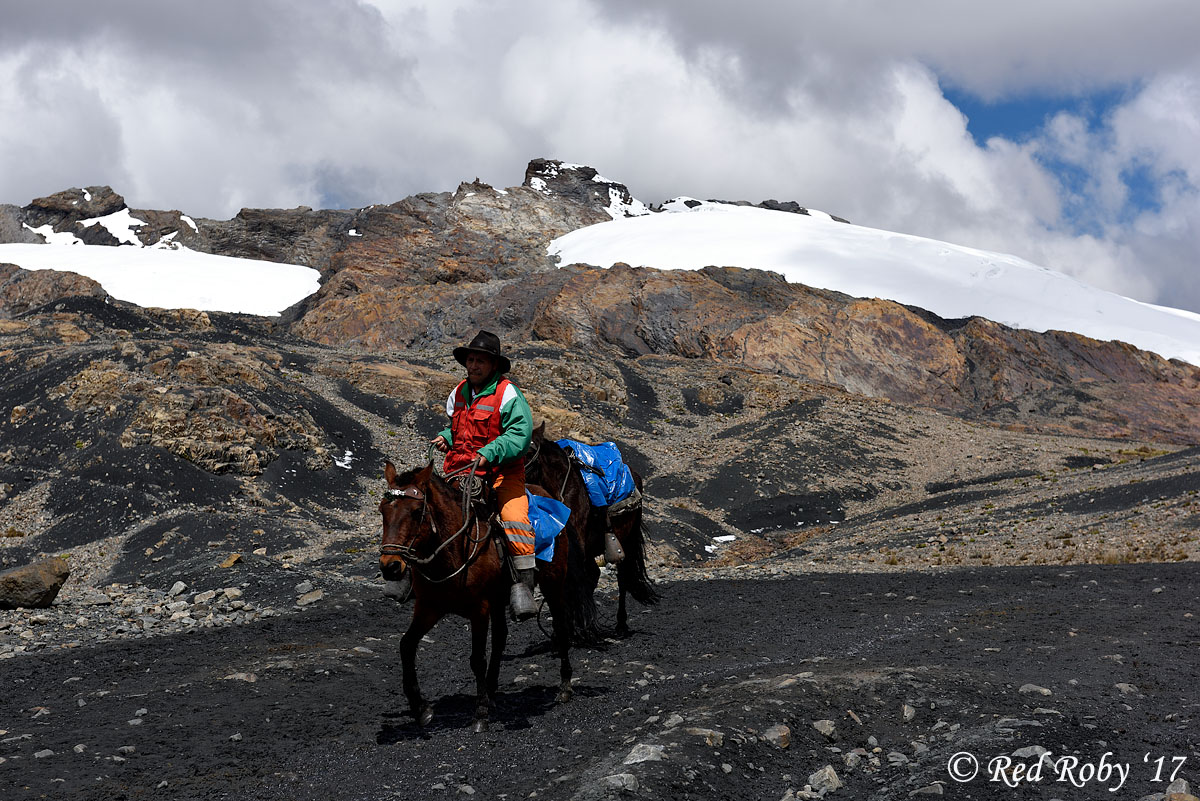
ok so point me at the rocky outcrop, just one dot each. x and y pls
(22, 290)
(1049, 382)
(11, 227)
(584, 186)
(1107, 389)
(419, 265)
(295, 236)
(790, 206)
(73, 205)
(33, 586)
(65, 212)
(211, 408)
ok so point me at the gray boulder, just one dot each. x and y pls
(33, 586)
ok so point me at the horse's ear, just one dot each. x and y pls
(424, 476)
(389, 473)
(539, 433)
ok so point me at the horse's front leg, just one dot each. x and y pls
(422, 621)
(499, 640)
(479, 631)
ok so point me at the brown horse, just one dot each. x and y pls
(458, 569)
(549, 465)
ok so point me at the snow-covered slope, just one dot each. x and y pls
(175, 278)
(815, 250)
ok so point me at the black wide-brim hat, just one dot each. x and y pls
(488, 344)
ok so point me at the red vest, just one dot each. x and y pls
(473, 426)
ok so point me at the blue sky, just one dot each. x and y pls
(1079, 152)
(1024, 118)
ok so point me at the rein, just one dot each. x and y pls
(530, 458)
(472, 486)
(566, 475)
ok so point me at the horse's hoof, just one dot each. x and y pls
(425, 717)
(479, 726)
(564, 696)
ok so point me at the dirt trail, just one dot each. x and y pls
(701, 684)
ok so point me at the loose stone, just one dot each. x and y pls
(827, 728)
(778, 735)
(644, 752)
(824, 780)
(310, 598)
(623, 782)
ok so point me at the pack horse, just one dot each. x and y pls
(604, 496)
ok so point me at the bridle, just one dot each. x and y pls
(408, 554)
(532, 457)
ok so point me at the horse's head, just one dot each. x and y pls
(404, 508)
(545, 460)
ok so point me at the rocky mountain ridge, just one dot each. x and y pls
(433, 268)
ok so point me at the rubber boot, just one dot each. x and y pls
(520, 599)
(401, 589)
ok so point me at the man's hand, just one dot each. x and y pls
(440, 443)
(483, 462)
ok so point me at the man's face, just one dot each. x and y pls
(479, 368)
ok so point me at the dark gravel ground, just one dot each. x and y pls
(705, 677)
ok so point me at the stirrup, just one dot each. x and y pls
(520, 602)
(613, 552)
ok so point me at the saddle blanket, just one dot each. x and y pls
(548, 517)
(606, 475)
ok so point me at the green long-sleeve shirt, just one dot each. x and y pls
(516, 422)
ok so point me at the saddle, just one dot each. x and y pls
(479, 501)
(630, 503)
(611, 488)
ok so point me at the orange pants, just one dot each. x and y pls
(509, 485)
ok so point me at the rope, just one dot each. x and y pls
(472, 488)
(563, 489)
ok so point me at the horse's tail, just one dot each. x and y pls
(582, 575)
(631, 572)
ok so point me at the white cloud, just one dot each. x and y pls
(835, 105)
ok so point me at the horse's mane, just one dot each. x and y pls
(548, 447)
(409, 477)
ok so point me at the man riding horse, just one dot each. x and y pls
(490, 423)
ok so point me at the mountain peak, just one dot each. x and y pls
(584, 185)
(78, 204)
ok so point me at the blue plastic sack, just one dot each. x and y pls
(614, 481)
(548, 517)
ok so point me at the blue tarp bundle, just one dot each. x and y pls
(615, 483)
(548, 517)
